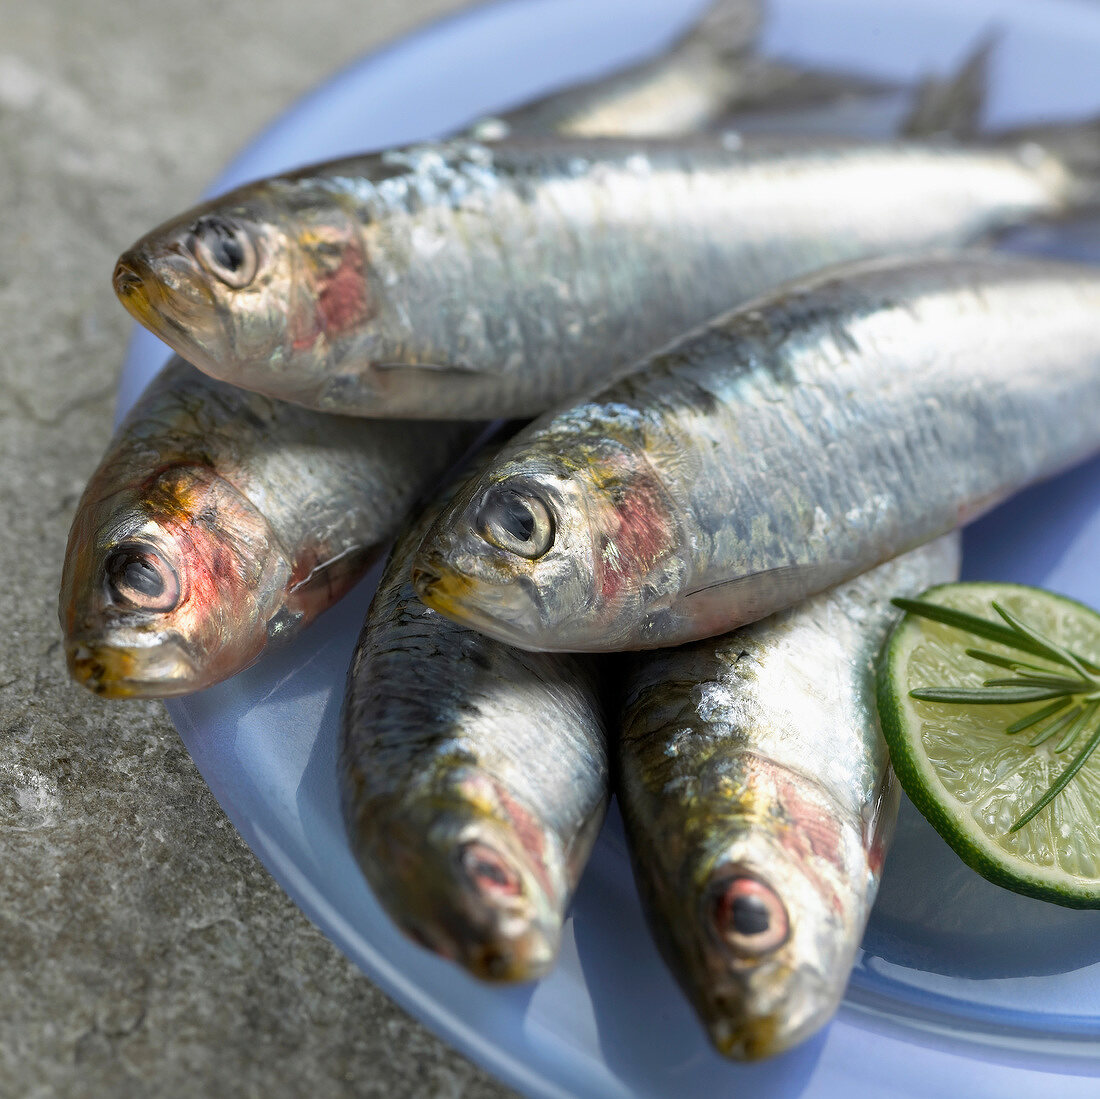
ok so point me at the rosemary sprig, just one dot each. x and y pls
(982, 627)
(1073, 682)
(1036, 716)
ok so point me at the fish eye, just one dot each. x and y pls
(749, 916)
(140, 579)
(225, 250)
(488, 870)
(515, 521)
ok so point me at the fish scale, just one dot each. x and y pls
(491, 279)
(757, 757)
(452, 742)
(789, 445)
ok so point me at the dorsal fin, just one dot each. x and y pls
(952, 106)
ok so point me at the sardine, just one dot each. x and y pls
(466, 279)
(702, 81)
(221, 520)
(780, 450)
(709, 72)
(475, 779)
(759, 804)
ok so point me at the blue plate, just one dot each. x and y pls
(961, 988)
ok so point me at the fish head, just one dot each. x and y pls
(545, 552)
(253, 288)
(168, 585)
(472, 876)
(780, 901)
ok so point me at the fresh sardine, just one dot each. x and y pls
(475, 778)
(708, 77)
(220, 520)
(759, 804)
(780, 450)
(468, 279)
(709, 72)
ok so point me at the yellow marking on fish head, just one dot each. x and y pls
(106, 671)
(445, 592)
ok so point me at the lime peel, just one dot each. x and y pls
(981, 789)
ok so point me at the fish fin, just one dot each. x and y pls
(728, 27)
(953, 105)
(771, 87)
(316, 585)
(756, 595)
(461, 369)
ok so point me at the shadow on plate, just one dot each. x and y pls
(935, 914)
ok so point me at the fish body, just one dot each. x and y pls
(466, 279)
(710, 76)
(474, 778)
(759, 804)
(220, 520)
(707, 73)
(779, 450)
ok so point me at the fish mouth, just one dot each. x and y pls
(441, 589)
(750, 1015)
(112, 671)
(527, 957)
(748, 1040)
(744, 1036)
(126, 280)
(481, 607)
(467, 895)
(424, 579)
(150, 297)
(135, 288)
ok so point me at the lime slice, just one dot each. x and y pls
(971, 779)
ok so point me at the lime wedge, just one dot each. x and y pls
(970, 778)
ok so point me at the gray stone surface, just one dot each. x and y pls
(143, 949)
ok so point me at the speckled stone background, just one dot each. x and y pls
(143, 949)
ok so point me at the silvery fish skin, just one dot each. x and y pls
(759, 804)
(692, 91)
(780, 450)
(474, 777)
(221, 520)
(464, 280)
(700, 83)
(701, 77)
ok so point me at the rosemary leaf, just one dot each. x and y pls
(1069, 686)
(1055, 726)
(1074, 730)
(1060, 783)
(982, 627)
(1037, 715)
(986, 696)
(1009, 662)
(1052, 650)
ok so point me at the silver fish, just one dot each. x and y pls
(465, 279)
(701, 82)
(780, 450)
(704, 75)
(475, 779)
(709, 81)
(760, 804)
(219, 521)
